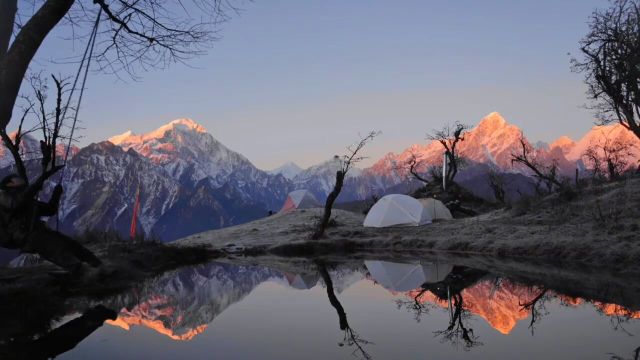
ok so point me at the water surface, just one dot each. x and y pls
(413, 309)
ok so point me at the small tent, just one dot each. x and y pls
(300, 199)
(436, 209)
(397, 210)
(405, 277)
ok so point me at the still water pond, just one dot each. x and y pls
(364, 309)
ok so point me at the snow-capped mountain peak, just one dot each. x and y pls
(493, 120)
(289, 170)
(598, 135)
(178, 124)
(493, 135)
(119, 139)
(184, 125)
(565, 144)
(30, 150)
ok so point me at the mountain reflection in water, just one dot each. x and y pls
(370, 309)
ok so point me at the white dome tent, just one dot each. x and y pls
(397, 210)
(300, 199)
(436, 209)
(405, 277)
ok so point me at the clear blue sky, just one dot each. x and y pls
(298, 80)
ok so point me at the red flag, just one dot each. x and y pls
(134, 218)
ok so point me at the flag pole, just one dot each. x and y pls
(444, 172)
(134, 217)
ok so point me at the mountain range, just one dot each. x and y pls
(190, 182)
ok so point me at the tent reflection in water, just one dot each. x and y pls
(397, 210)
(406, 277)
(301, 281)
(300, 199)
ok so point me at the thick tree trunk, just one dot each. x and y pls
(329, 205)
(613, 174)
(631, 123)
(15, 62)
(8, 9)
(453, 167)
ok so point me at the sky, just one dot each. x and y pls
(298, 81)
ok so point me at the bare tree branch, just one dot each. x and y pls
(610, 156)
(536, 307)
(611, 63)
(527, 157)
(346, 162)
(414, 164)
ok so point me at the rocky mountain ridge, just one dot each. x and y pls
(190, 182)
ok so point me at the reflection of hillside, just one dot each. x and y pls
(616, 310)
(181, 305)
(154, 314)
(499, 305)
(502, 304)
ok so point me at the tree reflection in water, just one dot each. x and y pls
(59, 340)
(537, 307)
(457, 330)
(416, 305)
(531, 300)
(449, 290)
(351, 337)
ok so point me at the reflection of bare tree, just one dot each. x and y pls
(416, 305)
(619, 316)
(351, 337)
(450, 290)
(537, 307)
(457, 330)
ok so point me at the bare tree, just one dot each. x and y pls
(498, 183)
(346, 163)
(21, 216)
(449, 137)
(611, 63)
(135, 33)
(593, 158)
(610, 156)
(545, 173)
(48, 122)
